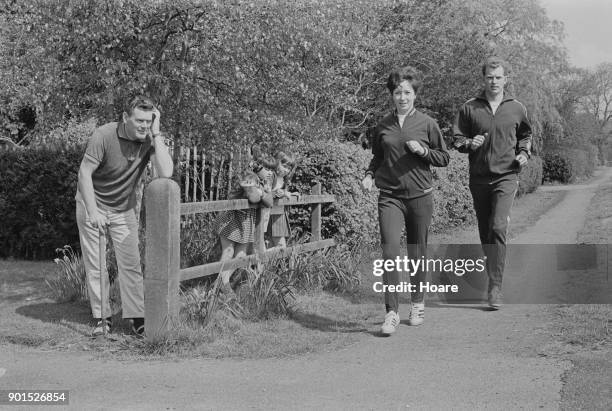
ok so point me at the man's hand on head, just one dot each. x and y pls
(155, 131)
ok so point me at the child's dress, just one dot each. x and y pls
(279, 220)
(237, 225)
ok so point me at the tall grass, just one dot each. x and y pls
(335, 269)
(69, 283)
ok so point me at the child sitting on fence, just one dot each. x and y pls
(236, 228)
(275, 175)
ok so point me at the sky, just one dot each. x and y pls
(588, 28)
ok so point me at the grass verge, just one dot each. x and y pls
(598, 226)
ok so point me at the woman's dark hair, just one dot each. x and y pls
(409, 74)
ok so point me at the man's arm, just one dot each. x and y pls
(160, 159)
(461, 142)
(85, 183)
(523, 135)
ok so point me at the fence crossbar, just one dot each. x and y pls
(240, 204)
(213, 268)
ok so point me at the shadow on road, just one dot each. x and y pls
(318, 322)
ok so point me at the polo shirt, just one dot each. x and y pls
(121, 163)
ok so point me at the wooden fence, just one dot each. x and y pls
(204, 177)
(163, 273)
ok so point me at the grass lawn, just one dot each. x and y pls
(320, 321)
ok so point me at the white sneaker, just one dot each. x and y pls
(417, 314)
(392, 320)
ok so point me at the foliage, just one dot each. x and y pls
(530, 177)
(69, 283)
(270, 290)
(335, 269)
(227, 74)
(557, 167)
(37, 188)
(339, 167)
(302, 76)
(568, 164)
(72, 132)
(199, 242)
(265, 293)
(452, 200)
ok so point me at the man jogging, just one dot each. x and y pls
(494, 130)
(116, 156)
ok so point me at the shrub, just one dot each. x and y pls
(453, 205)
(37, 188)
(530, 176)
(199, 242)
(73, 132)
(557, 167)
(568, 164)
(339, 167)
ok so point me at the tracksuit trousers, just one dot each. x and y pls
(492, 203)
(413, 215)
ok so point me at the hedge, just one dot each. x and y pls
(453, 204)
(339, 167)
(37, 188)
(566, 165)
(530, 176)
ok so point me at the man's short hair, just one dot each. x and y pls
(407, 73)
(495, 62)
(140, 102)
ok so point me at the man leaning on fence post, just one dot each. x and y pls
(494, 130)
(115, 158)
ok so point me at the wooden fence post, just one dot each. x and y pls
(261, 219)
(162, 263)
(315, 216)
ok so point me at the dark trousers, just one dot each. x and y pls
(395, 214)
(492, 203)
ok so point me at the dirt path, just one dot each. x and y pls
(562, 223)
(463, 357)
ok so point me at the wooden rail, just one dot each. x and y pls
(162, 270)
